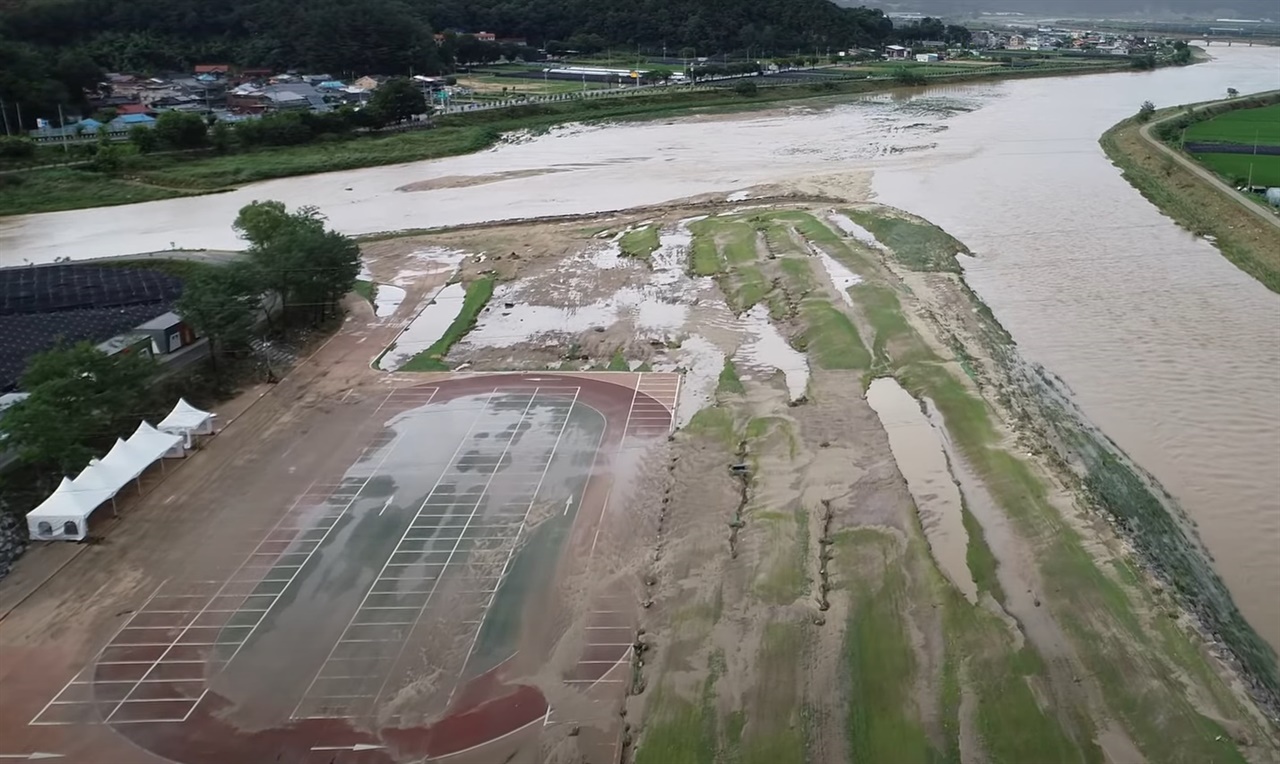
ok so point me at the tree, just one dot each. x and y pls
(220, 137)
(659, 74)
(16, 148)
(221, 303)
(905, 76)
(106, 158)
(397, 100)
(1232, 92)
(181, 130)
(80, 399)
(296, 256)
(144, 139)
(1145, 111)
(745, 88)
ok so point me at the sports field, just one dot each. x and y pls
(405, 606)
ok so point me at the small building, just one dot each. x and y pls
(285, 100)
(131, 108)
(899, 52)
(927, 58)
(216, 70)
(486, 36)
(167, 333)
(369, 82)
(129, 343)
(130, 121)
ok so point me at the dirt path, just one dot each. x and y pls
(1204, 174)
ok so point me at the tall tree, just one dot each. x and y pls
(295, 255)
(398, 99)
(221, 303)
(80, 399)
(181, 130)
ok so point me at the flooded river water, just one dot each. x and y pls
(1171, 349)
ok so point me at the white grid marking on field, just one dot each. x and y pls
(430, 565)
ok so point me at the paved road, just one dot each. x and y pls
(1205, 174)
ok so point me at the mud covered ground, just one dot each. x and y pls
(911, 576)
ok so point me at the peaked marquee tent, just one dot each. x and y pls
(187, 420)
(65, 514)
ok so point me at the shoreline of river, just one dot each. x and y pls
(44, 190)
(1045, 423)
(1249, 242)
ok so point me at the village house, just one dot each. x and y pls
(893, 52)
(369, 82)
(215, 70)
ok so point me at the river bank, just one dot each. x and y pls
(1194, 202)
(150, 178)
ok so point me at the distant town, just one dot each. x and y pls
(229, 94)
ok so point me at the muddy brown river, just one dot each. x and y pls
(1167, 346)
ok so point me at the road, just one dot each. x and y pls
(1201, 172)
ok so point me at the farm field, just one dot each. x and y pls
(1235, 168)
(1241, 126)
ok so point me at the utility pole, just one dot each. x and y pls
(62, 125)
(1251, 161)
(5, 112)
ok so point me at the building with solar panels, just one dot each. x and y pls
(118, 309)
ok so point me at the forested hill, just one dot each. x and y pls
(388, 36)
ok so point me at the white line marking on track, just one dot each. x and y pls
(479, 413)
(390, 499)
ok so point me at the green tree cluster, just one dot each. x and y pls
(295, 256)
(80, 400)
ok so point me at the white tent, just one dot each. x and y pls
(187, 420)
(147, 441)
(65, 514)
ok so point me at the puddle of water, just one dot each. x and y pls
(841, 276)
(768, 349)
(427, 327)
(702, 362)
(853, 229)
(609, 257)
(500, 328)
(387, 299)
(657, 308)
(668, 260)
(917, 448)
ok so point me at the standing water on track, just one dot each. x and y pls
(918, 451)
